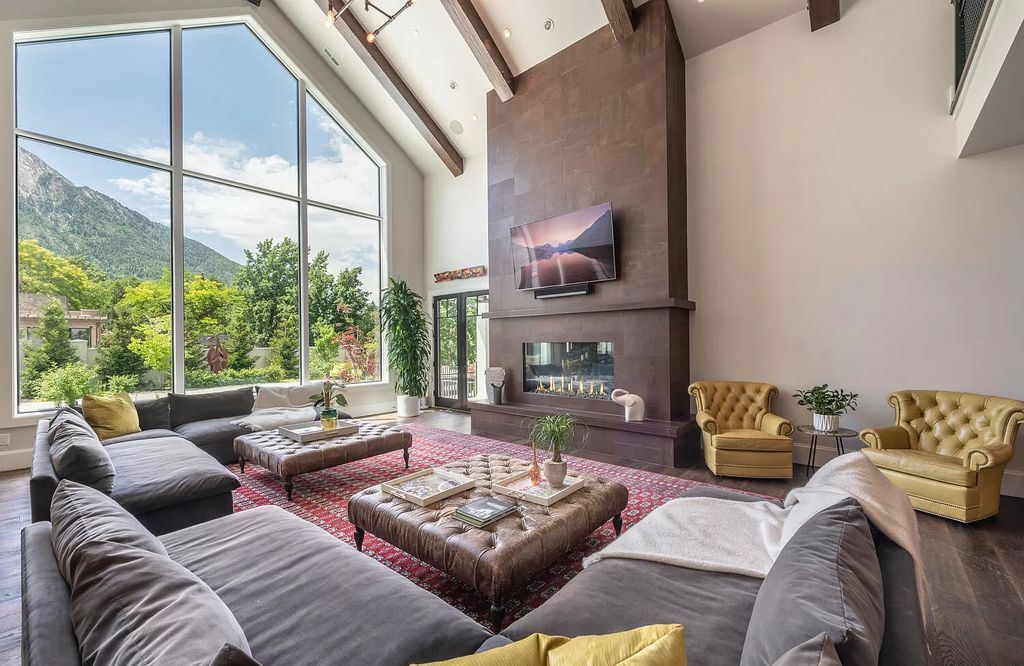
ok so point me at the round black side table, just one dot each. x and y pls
(838, 435)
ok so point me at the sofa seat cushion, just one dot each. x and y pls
(617, 595)
(750, 440)
(163, 471)
(934, 466)
(142, 434)
(303, 597)
(212, 432)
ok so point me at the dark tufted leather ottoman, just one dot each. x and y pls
(500, 559)
(287, 458)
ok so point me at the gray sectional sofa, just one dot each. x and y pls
(170, 475)
(303, 597)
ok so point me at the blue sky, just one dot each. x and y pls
(239, 122)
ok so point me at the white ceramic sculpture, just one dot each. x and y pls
(633, 403)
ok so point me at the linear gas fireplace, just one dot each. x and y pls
(569, 369)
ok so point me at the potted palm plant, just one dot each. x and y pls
(827, 405)
(556, 433)
(406, 330)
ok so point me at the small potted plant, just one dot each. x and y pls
(555, 432)
(827, 405)
(407, 330)
(326, 403)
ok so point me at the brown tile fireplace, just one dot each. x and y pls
(601, 121)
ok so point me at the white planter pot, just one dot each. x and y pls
(408, 406)
(826, 423)
(555, 473)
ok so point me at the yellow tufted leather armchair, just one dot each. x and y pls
(741, 435)
(947, 450)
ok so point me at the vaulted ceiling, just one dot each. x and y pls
(435, 62)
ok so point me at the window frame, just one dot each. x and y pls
(175, 169)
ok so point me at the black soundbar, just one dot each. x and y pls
(560, 292)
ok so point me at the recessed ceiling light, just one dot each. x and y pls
(549, 24)
(456, 127)
(507, 32)
(476, 117)
(453, 84)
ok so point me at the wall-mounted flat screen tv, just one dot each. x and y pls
(576, 248)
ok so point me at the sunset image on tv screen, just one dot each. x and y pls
(570, 249)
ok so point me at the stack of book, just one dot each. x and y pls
(484, 511)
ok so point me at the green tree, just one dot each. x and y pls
(323, 353)
(284, 345)
(66, 384)
(241, 341)
(115, 354)
(54, 349)
(267, 285)
(41, 271)
(152, 343)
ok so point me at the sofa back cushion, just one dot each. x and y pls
(132, 606)
(204, 406)
(826, 580)
(76, 452)
(111, 415)
(817, 651)
(80, 514)
(287, 396)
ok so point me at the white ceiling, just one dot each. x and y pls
(428, 51)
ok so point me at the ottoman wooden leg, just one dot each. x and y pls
(617, 524)
(359, 534)
(241, 464)
(288, 488)
(497, 616)
(405, 454)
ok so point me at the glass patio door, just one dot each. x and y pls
(460, 348)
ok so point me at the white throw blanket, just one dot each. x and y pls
(275, 417)
(746, 537)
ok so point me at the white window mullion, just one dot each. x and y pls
(177, 217)
(303, 241)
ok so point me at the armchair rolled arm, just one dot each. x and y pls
(886, 437)
(773, 424)
(707, 423)
(992, 455)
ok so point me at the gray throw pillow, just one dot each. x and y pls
(81, 514)
(826, 580)
(130, 606)
(818, 651)
(231, 655)
(76, 452)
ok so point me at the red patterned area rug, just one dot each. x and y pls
(322, 499)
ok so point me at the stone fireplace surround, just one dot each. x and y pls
(600, 121)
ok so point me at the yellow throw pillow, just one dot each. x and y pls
(111, 415)
(654, 645)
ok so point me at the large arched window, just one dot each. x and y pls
(168, 182)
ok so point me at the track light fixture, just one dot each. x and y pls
(334, 12)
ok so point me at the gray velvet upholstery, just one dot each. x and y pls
(130, 606)
(215, 436)
(47, 635)
(303, 597)
(154, 414)
(136, 436)
(817, 651)
(43, 480)
(76, 452)
(617, 595)
(188, 408)
(81, 514)
(827, 578)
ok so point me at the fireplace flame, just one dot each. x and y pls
(571, 386)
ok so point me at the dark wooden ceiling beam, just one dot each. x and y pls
(620, 18)
(822, 13)
(469, 24)
(386, 74)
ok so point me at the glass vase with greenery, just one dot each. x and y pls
(556, 433)
(406, 329)
(827, 405)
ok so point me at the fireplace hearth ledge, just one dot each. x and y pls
(652, 441)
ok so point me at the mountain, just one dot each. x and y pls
(597, 235)
(81, 222)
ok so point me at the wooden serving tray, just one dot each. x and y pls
(541, 494)
(452, 483)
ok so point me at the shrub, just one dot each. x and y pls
(65, 385)
(271, 374)
(122, 383)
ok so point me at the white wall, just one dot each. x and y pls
(403, 207)
(456, 225)
(834, 235)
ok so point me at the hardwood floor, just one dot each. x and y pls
(974, 573)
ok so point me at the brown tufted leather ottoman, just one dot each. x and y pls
(500, 559)
(287, 458)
